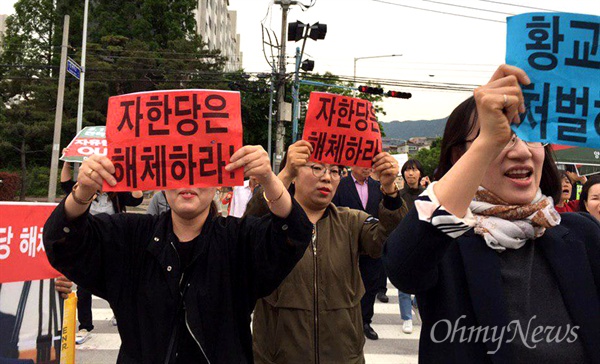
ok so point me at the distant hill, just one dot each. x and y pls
(414, 128)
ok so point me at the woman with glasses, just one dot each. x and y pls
(499, 275)
(314, 315)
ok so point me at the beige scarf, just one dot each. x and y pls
(505, 226)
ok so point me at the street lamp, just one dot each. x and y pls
(357, 58)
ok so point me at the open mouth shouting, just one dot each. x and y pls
(521, 175)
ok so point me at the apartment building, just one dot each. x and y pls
(218, 27)
(2, 26)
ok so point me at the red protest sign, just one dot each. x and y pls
(342, 130)
(22, 253)
(174, 139)
(90, 140)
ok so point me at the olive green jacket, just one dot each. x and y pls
(314, 315)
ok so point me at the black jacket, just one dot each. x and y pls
(130, 260)
(347, 196)
(454, 277)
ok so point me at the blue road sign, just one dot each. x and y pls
(73, 68)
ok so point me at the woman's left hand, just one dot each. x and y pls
(255, 161)
(386, 167)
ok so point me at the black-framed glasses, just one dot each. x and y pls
(319, 170)
(513, 141)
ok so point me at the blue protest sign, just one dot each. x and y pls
(561, 55)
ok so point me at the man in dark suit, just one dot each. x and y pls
(360, 191)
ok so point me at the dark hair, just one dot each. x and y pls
(593, 180)
(461, 123)
(570, 168)
(412, 163)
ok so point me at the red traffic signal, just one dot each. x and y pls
(398, 94)
(371, 90)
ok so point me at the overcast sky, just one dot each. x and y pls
(435, 46)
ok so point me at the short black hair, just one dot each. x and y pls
(412, 163)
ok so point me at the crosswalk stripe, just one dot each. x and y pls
(389, 308)
(102, 314)
(391, 359)
(394, 332)
(101, 342)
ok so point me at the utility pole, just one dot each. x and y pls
(271, 92)
(59, 111)
(280, 130)
(81, 80)
(296, 95)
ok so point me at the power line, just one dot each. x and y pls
(468, 7)
(439, 12)
(520, 6)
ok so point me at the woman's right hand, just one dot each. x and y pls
(499, 103)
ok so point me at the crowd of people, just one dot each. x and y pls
(287, 268)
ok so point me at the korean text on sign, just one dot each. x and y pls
(90, 140)
(174, 139)
(560, 53)
(342, 130)
(22, 253)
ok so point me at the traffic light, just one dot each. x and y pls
(296, 31)
(398, 94)
(317, 31)
(371, 90)
(307, 65)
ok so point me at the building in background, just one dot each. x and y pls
(2, 27)
(409, 147)
(218, 27)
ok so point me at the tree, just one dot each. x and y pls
(139, 45)
(28, 54)
(430, 158)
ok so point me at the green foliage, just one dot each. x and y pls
(38, 179)
(138, 45)
(429, 158)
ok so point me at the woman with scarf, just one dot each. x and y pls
(499, 275)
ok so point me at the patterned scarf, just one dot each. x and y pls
(505, 226)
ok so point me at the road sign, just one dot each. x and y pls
(73, 68)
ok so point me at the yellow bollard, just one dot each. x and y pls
(67, 345)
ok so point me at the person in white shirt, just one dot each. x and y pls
(241, 196)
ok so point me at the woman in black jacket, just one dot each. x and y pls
(499, 275)
(183, 284)
(110, 203)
